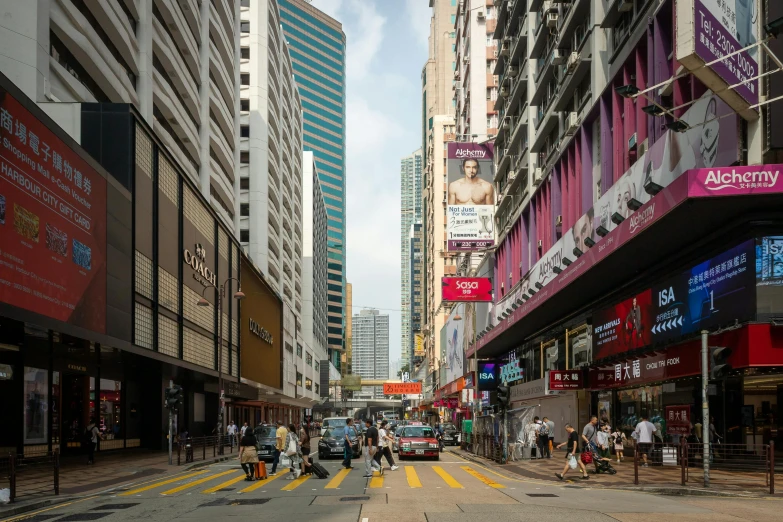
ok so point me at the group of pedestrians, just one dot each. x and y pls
(377, 444)
(541, 435)
(289, 442)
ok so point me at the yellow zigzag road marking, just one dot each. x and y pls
(486, 480)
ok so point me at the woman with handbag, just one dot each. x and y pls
(304, 440)
(248, 455)
(294, 452)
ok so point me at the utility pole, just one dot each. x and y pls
(705, 407)
(171, 424)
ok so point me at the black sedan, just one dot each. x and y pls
(332, 443)
(450, 435)
(265, 441)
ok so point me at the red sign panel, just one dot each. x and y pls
(678, 361)
(475, 289)
(401, 388)
(623, 327)
(566, 380)
(452, 403)
(678, 420)
(52, 223)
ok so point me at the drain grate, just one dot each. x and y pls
(76, 517)
(353, 499)
(226, 489)
(541, 495)
(112, 507)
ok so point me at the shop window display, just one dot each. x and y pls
(35, 406)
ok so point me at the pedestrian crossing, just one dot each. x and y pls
(214, 480)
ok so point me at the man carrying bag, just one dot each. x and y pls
(370, 447)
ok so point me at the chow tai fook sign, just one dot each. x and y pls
(675, 362)
(708, 30)
(564, 380)
(678, 419)
(473, 289)
(470, 196)
(52, 223)
(401, 388)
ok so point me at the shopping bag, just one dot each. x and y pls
(572, 462)
(285, 461)
(291, 451)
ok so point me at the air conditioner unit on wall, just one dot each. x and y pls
(480, 14)
(512, 175)
(558, 57)
(572, 123)
(551, 20)
(538, 176)
(573, 61)
(507, 123)
(513, 71)
(624, 6)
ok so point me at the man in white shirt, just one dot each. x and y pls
(231, 431)
(384, 447)
(644, 437)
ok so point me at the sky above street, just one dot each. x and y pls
(387, 48)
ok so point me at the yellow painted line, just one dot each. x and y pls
(338, 479)
(225, 484)
(58, 506)
(296, 483)
(376, 481)
(158, 484)
(413, 478)
(504, 477)
(197, 482)
(448, 479)
(261, 483)
(486, 480)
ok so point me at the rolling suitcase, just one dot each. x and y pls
(319, 471)
(261, 470)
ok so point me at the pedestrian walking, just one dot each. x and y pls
(304, 441)
(243, 429)
(293, 450)
(618, 439)
(590, 432)
(572, 449)
(347, 444)
(370, 448)
(385, 442)
(644, 437)
(280, 437)
(248, 455)
(91, 436)
(543, 440)
(531, 436)
(231, 431)
(551, 427)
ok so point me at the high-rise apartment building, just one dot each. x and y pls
(271, 229)
(347, 356)
(410, 213)
(317, 48)
(417, 275)
(175, 62)
(370, 343)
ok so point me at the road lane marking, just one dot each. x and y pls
(197, 482)
(376, 481)
(413, 478)
(261, 483)
(158, 484)
(338, 479)
(296, 483)
(486, 480)
(58, 506)
(448, 479)
(225, 484)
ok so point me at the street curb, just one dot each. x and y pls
(13, 510)
(681, 491)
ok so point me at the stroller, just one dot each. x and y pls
(591, 456)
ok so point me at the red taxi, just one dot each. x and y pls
(418, 441)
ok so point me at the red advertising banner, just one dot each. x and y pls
(678, 420)
(401, 388)
(474, 289)
(452, 403)
(623, 327)
(52, 223)
(566, 380)
(677, 361)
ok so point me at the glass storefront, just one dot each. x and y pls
(761, 414)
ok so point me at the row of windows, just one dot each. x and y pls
(296, 16)
(328, 146)
(297, 35)
(310, 130)
(316, 148)
(298, 59)
(314, 108)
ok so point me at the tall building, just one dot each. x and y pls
(346, 368)
(410, 213)
(271, 230)
(417, 277)
(314, 320)
(370, 344)
(317, 47)
(175, 63)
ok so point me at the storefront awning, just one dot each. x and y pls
(658, 237)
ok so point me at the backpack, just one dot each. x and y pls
(544, 429)
(87, 435)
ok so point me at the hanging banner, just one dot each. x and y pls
(401, 388)
(473, 289)
(470, 196)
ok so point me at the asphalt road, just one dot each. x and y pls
(451, 489)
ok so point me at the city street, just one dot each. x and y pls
(451, 489)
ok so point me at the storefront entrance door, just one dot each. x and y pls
(75, 411)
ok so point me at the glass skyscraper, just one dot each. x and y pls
(316, 43)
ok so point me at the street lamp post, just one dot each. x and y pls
(221, 293)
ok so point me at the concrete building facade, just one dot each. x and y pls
(370, 344)
(410, 213)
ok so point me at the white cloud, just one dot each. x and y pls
(364, 36)
(420, 14)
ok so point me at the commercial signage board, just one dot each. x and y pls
(452, 403)
(623, 327)
(769, 261)
(677, 361)
(708, 30)
(488, 375)
(52, 223)
(400, 388)
(470, 196)
(528, 390)
(453, 332)
(733, 181)
(418, 345)
(352, 382)
(471, 289)
(678, 419)
(511, 372)
(560, 380)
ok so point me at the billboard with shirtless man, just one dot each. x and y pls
(470, 197)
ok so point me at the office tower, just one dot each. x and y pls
(317, 47)
(410, 213)
(417, 275)
(347, 355)
(371, 350)
(175, 64)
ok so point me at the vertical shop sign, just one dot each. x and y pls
(678, 420)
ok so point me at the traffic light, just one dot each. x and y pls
(174, 397)
(719, 362)
(503, 396)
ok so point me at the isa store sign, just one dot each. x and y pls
(708, 30)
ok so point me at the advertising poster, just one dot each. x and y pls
(470, 196)
(52, 223)
(455, 346)
(488, 375)
(418, 345)
(769, 261)
(624, 326)
(474, 289)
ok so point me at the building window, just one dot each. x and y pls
(244, 183)
(244, 209)
(317, 389)
(298, 379)
(244, 52)
(244, 157)
(244, 78)
(244, 236)
(244, 131)
(244, 27)
(63, 56)
(244, 105)
(298, 350)
(308, 384)
(317, 366)
(309, 359)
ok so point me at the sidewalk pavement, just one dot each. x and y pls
(659, 479)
